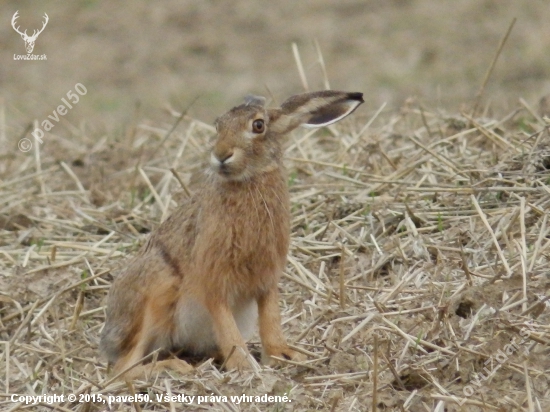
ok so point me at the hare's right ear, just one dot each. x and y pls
(251, 100)
(314, 109)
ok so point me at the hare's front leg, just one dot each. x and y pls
(228, 336)
(271, 334)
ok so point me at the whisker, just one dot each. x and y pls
(254, 202)
(266, 207)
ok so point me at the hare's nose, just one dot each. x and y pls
(221, 158)
(225, 157)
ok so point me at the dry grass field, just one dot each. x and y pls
(417, 278)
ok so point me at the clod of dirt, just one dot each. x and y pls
(343, 362)
(13, 223)
(411, 381)
(78, 163)
(470, 300)
(464, 309)
(97, 197)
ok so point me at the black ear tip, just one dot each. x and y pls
(356, 96)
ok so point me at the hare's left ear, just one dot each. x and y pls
(315, 109)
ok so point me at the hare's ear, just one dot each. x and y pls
(251, 100)
(315, 109)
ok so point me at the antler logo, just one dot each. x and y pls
(29, 40)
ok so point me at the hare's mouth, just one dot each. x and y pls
(231, 173)
(225, 170)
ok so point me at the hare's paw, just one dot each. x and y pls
(282, 352)
(176, 365)
(151, 369)
(239, 359)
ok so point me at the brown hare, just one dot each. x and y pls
(211, 269)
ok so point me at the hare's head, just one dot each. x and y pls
(250, 135)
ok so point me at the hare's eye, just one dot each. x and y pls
(258, 126)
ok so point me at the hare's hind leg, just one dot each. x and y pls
(148, 339)
(271, 334)
(136, 344)
(154, 330)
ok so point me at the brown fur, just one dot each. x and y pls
(195, 283)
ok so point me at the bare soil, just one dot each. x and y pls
(417, 278)
(151, 54)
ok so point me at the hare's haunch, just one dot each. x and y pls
(211, 269)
